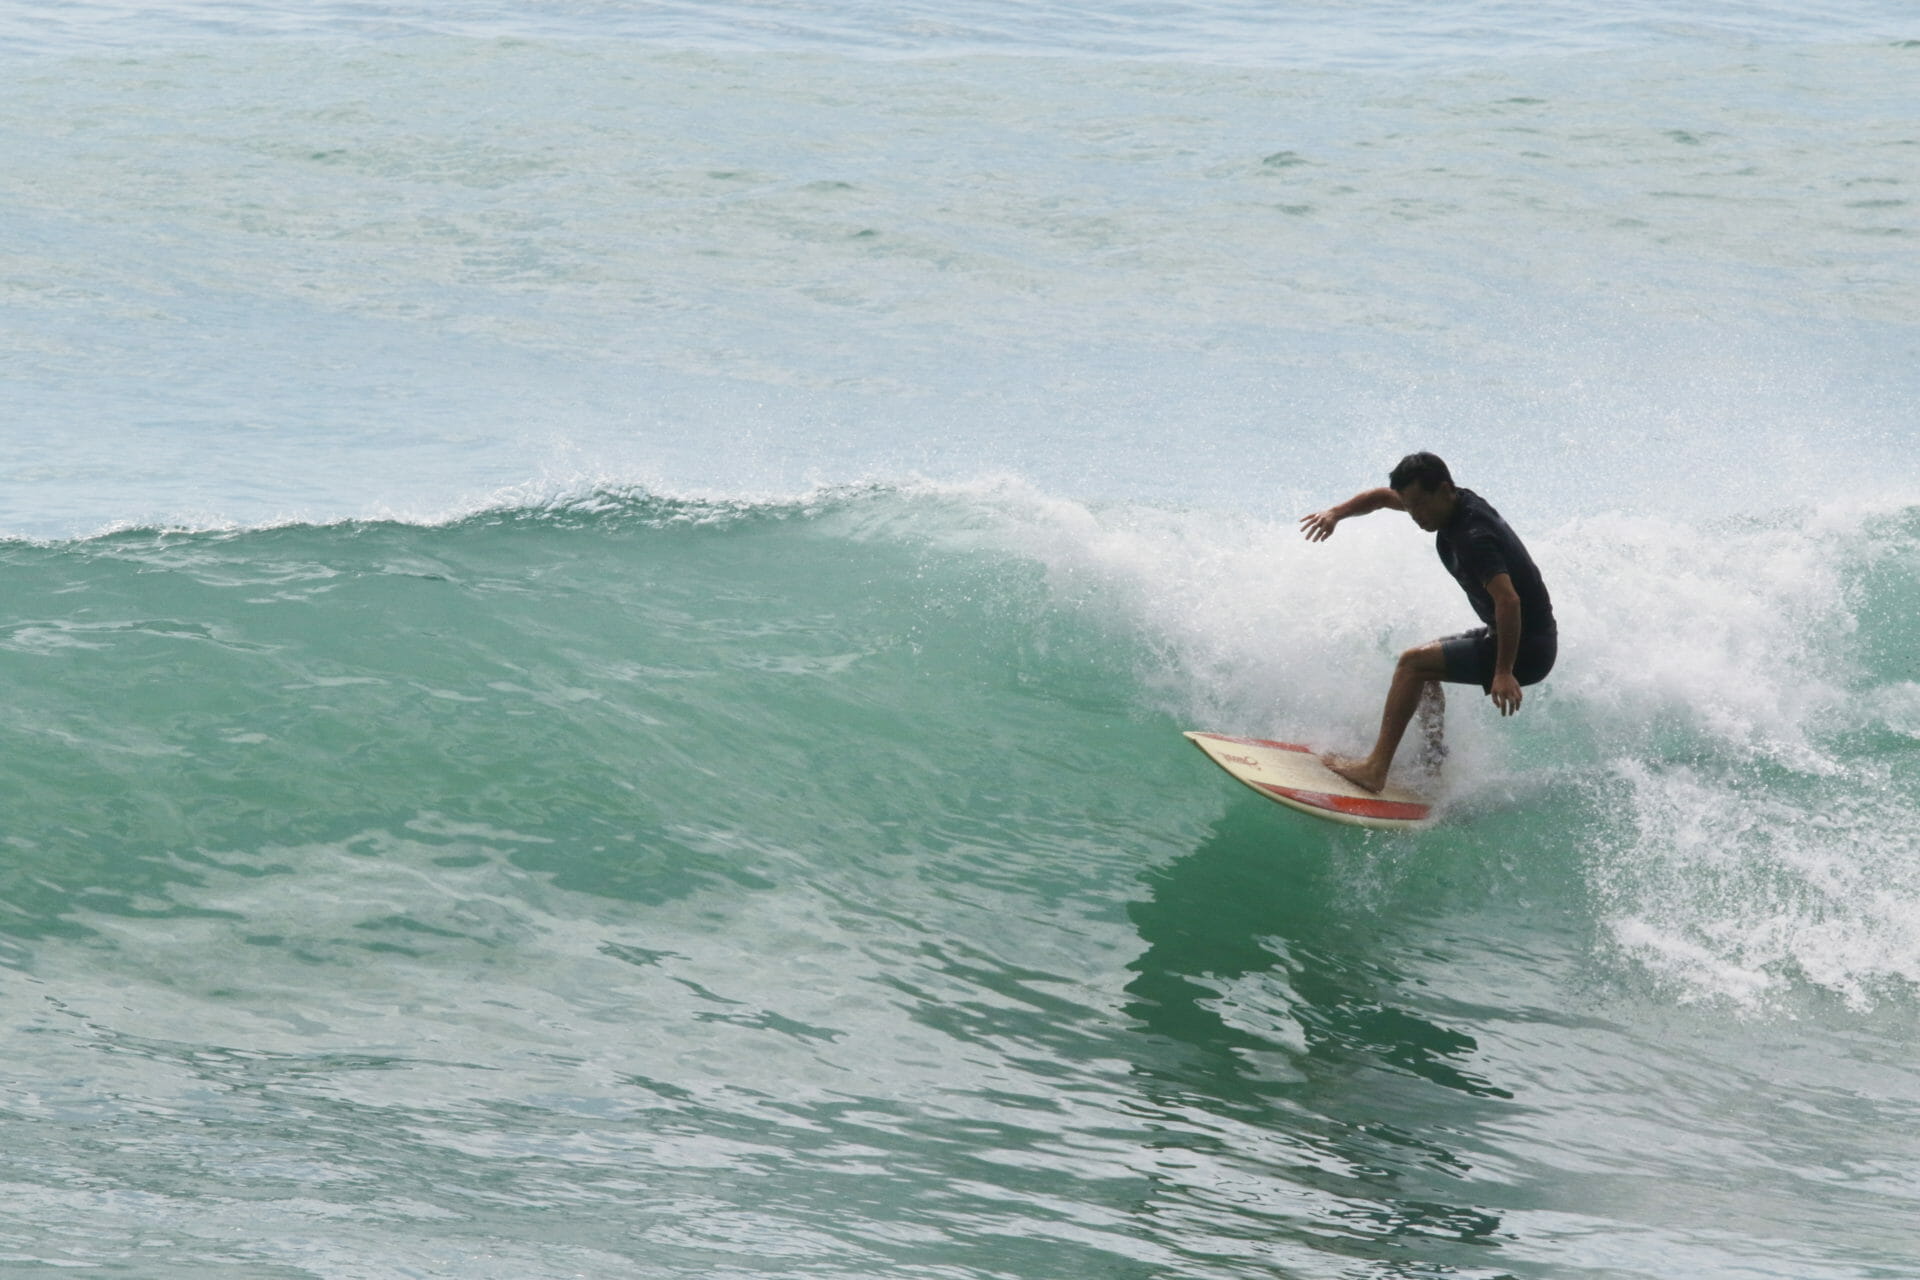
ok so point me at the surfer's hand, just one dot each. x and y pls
(1506, 694)
(1319, 526)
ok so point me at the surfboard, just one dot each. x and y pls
(1293, 775)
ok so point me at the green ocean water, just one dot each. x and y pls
(623, 885)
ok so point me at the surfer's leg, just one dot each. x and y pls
(1433, 727)
(1416, 669)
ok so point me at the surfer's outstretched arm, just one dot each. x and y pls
(1318, 527)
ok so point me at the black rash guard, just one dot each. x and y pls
(1477, 546)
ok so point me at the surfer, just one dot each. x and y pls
(1515, 648)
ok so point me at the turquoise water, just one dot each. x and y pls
(599, 601)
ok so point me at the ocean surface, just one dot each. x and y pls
(597, 600)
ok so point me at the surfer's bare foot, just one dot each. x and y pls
(1360, 773)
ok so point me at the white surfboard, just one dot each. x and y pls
(1293, 775)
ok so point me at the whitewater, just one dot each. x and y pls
(599, 600)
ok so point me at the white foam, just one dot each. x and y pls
(1728, 632)
(1251, 628)
(1731, 892)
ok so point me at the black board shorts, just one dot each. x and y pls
(1470, 657)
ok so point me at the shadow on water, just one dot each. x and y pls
(1275, 1018)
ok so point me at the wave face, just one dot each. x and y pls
(732, 888)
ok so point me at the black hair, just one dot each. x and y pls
(1425, 469)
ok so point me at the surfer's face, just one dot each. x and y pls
(1428, 507)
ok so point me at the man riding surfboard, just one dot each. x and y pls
(1516, 646)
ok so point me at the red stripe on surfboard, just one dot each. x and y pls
(1358, 806)
(1258, 742)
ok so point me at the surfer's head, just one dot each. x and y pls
(1426, 487)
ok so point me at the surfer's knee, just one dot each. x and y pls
(1423, 662)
